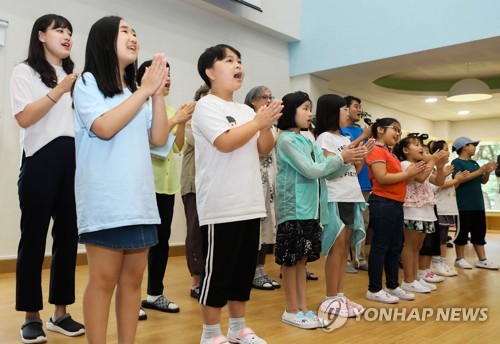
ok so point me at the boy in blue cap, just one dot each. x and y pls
(472, 217)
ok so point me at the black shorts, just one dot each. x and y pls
(471, 222)
(230, 251)
(346, 212)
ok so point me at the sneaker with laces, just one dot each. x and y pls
(217, 340)
(161, 304)
(463, 264)
(320, 323)
(431, 286)
(400, 293)
(65, 325)
(299, 320)
(381, 296)
(430, 276)
(441, 269)
(32, 331)
(142, 314)
(414, 287)
(245, 336)
(486, 264)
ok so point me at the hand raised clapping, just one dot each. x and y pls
(267, 115)
(155, 75)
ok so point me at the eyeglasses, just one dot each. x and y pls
(267, 98)
(396, 129)
(357, 106)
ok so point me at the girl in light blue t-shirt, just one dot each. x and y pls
(117, 214)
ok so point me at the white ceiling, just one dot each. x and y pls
(480, 58)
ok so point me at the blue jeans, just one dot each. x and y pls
(387, 221)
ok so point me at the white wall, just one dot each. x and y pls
(175, 27)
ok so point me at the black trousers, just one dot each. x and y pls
(158, 254)
(46, 190)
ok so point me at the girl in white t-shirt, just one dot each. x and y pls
(41, 105)
(418, 208)
(346, 204)
(447, 211)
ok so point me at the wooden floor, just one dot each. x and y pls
(472, 288)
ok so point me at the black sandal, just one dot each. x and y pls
(311, 276)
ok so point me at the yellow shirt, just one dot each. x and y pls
(167, 180)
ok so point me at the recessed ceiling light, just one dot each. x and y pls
(464, 112)
(431, 100)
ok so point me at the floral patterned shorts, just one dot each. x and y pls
(296, 239)
(420, 226)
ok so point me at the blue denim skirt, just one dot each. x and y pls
(122, 238)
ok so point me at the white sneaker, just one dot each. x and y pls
(441, 269)
(336, 306)
(486, 264)
(400, 293)
(381, 296)
(431, 286)
(247, 335)
(463, 264)
(429, 276)
(414, 287)
(218, 340)
(300, 320)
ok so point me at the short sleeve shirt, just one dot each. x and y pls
(228, 185)
(26, 87)
(470, 193)
(114, 183)
(396, 191)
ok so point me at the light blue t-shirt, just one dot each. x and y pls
(114, 183)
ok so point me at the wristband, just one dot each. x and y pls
(50, 98)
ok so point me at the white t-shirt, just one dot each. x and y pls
(114, 182)
(228, 185)
(345, 188)
(417, 192)
(446, 199)
(26, 87)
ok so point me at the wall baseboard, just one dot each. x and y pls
(9, 265)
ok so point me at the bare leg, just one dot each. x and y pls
(290, 286)
(97, 297)
(460, 251)
(301, 284)
(333, 264)
(210, 315)
(347, 233)
(128, 294)
(236, 309)
(481, 254)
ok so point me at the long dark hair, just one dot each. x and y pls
(36, 54)
(328, 113)
(102, 61)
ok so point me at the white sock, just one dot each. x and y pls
(257, 273)
(211, 331)
(262, 273)
(237, 324)
(152, 298)
(340, 294)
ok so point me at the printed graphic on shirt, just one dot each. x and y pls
(231, 120)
